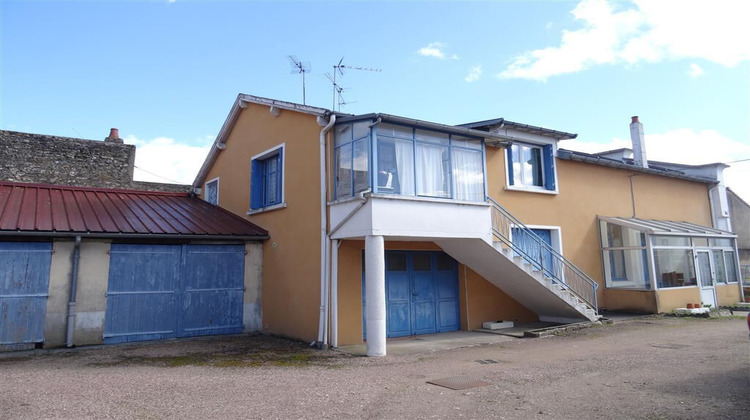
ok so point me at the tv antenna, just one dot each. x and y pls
(338, 90)
(300, 67)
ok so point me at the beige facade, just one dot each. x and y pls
(291, 263)
(91, 297)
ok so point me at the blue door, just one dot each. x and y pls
(167, 291)
(24, 285)
(421, 293)
(533, 249)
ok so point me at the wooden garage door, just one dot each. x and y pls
(24, 284)
(167, 291)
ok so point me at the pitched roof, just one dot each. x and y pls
(655, 168)
(54, 210)
(531, 129)
(666, 227)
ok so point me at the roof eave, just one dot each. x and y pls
(239, 104)
(146, 236)
(494, 139)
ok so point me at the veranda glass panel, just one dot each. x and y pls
(431, 172)
(467, 174)
(627, 269)
(731, 265)
(671, 241)
(361, 165)
(395, 166)
(344, 171)
(674, 267)
(616, 236)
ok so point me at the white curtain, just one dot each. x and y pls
(430, 170)
(467, 173)
(405, 166)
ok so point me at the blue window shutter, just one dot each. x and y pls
(509, 164)
(549, 167)
(256, 184)
(279, 174)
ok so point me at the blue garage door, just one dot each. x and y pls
(421, 293)
(167, 291)
(24, 284)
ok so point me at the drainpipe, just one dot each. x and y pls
(73, 290)
(324, 243)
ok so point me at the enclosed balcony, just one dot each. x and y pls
(420, 179)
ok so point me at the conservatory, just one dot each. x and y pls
(657, 266)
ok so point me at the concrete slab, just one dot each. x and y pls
(431, 343)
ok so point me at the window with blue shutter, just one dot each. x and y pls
(266, 180)
(531, 167)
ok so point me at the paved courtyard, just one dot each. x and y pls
(650, 368)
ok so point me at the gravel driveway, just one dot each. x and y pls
(652, 368)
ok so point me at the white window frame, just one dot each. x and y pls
(533, 188)
(205, 189)
(262, 156)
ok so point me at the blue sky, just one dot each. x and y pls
(166, 72)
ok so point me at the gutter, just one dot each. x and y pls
(325, 249)
(492, 138)
(105, 235)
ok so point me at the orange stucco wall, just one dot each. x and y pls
(291, 257)
(728, 294)
(670, 299)
(587, 191)
(631, 300)
(291, 263)
(479, 300)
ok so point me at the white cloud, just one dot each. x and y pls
(474, 73)
(165, 160)
(433, 49)
(643, 31)
(688, 147)
(455, 57)
(695, 70)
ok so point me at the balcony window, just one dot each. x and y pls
(408, 162)
(531, 167)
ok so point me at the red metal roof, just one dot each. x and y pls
(66, 211)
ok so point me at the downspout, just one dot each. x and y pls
(73, 291)
(324, 243)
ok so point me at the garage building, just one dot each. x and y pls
(91, 265)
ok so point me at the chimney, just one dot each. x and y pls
(114, 136)
(639, 143)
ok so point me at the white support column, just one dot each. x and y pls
(375, 295)
(335, 293)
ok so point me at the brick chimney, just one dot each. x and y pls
(114, 136)
(639, 143)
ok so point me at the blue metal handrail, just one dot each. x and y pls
(542, 256)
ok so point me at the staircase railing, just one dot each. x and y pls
(542, 257)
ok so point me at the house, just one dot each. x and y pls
(740, 211)
(383, 226)
(109, 263)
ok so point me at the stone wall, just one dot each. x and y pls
(43, 159)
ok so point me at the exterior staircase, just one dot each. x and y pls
(528, 269)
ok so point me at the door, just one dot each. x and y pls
(706, 278)
(532, 248)
(24, 285)
(166, 291)
(421, 293)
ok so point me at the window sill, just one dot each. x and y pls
(265, 209)
(531, 190)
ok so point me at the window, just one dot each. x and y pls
(674, 267)
(266, 179)
(351, 151)
(625, 257)
(531, 166)
(731, 265)
(212, 191)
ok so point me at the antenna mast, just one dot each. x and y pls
(300, 67)
(338, 90)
